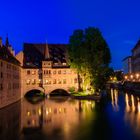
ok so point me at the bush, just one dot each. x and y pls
(72, 89)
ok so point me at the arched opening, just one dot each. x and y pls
(59, 92)
(34, 96)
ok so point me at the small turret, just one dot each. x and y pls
(47, 55)
(7, 42)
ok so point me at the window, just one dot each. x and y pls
(49, 82)
(33, 81)
(28, 82)
(33, 72)
(64, 64)
(64, 81)
(28, 72)
(59, 81)
(54, 72)
(9, 86)
(49, 71)
(54, 81)
(8, 66)
(1, 75)
(59, 72)
(64, 72)
(75, 80)
(46, 82)
(1, 86)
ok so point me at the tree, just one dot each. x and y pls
(90, 55)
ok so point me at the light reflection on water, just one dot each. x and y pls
(55, 116)
(132, 112)
(114, 99)
(115, 117)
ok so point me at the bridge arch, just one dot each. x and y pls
(59, 91)
(34, 90)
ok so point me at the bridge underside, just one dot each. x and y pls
(42, 92)
(59, 92)
(34, 92)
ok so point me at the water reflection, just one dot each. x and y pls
(115, 117)
(131, 109)
(55, 116)
(10, 122)
(132, 112)
(114, 99)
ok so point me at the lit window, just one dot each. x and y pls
(28, 82)
(33, 72)
(64, 64)
(46, 82)
(137, 75)
(33, 81)
(59, 81)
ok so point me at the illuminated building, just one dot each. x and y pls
(46, 68)
(132, 65)
(127, 65)
(10, 75)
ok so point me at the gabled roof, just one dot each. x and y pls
(136, 46)
(6, 55)
(36, 53)
(127, 58)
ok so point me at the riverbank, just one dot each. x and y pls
(87, 97)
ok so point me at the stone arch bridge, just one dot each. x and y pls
(47, 89)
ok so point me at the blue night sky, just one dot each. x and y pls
(55, 20)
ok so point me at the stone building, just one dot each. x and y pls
(136, 57)
(127, 65)
(46, 68)
(133, 64)
(10, 75)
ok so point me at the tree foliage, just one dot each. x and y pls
(90, 55)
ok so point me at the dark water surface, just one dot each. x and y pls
(116, 117)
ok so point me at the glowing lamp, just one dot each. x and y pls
(131, 76)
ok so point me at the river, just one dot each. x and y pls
(116, 117)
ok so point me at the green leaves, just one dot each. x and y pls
(90, 55)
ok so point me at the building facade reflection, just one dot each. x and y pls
(53, 115)
(10, 122)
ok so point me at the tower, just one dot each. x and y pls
(47, 55)
(7, 42)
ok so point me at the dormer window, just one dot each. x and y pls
(64, 64)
